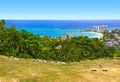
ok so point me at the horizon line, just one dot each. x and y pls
(61, 19)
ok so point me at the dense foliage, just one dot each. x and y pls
(24, 44)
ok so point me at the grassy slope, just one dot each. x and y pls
(27, 70)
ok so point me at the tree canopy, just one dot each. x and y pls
(23, 44)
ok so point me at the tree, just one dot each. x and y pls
(2, 25)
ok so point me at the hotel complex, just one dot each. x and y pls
(101, 28)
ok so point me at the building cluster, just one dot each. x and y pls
(116, 36)
(112, 42)
(115, 41)
(101, 28)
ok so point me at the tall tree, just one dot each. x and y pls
(2, 25)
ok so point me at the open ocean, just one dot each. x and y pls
(55, 28)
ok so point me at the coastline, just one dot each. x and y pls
(57, 28)
(55, 33)
(74, 33)
(88, 34)
(100, 35)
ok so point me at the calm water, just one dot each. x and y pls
(55, 28)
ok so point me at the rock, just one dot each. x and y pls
(52, 62)
(34, 75)
(44, 61)
(104, 69)
(63, 63)
(93, 69)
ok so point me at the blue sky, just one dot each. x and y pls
(60, 9)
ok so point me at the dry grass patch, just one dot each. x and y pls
(27, 70)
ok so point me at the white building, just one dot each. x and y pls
(101, 28)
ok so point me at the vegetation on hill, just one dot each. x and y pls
(24, 44)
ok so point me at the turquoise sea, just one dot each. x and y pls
(56, 28)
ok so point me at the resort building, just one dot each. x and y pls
(101, 28)
(69, 36)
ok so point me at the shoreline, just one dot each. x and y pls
(99, 35)
(78, 34)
